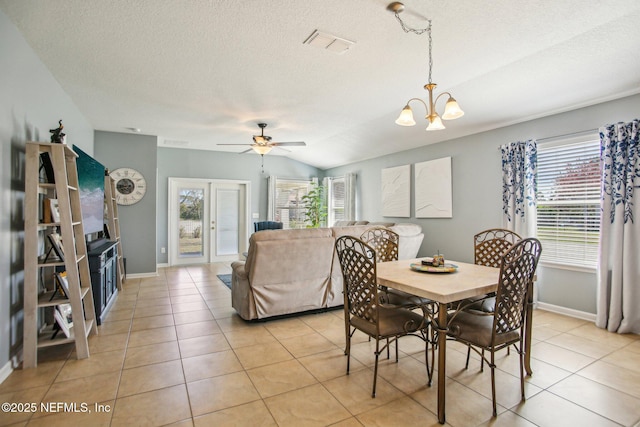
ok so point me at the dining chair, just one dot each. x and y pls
(506, 325)
(362, 306)
(385, 243)
(488, 248)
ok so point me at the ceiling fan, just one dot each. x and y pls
(262, 143)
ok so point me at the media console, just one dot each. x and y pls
(103, 260)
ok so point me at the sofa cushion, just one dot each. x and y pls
(354, 230)
(345, 223)
(381, 224)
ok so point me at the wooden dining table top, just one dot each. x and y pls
(469, 280)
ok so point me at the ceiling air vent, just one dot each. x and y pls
(328, 42)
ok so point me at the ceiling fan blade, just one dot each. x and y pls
(290, 144)
(277, 147)
(246, 151)
(234, 144)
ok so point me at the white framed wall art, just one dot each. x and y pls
(396, 191)
(433, 189)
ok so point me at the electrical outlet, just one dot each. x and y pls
(163, 250)
(256, 215)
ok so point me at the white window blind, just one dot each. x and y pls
(289, 207)
(568, 210)
(336, 199)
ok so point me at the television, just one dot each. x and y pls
(91, 188)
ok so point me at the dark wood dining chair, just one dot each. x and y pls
(362, 306)
(506, 325)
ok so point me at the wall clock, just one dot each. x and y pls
(130, 186)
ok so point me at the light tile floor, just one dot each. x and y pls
(173, 352)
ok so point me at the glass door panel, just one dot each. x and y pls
(188, 221)
(191, 223)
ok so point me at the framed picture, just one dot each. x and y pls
(433, 189)
(56, 245)
(62, 283)
(55, 211)
(396, 191)
(63, 318)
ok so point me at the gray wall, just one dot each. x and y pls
(137, 221)
(477, 187)
(31, 103)
(180, 163)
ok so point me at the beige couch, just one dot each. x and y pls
(291, 271)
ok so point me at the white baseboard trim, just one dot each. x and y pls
(6, 370)
(566, 311)
(142, 275)
(163, 265)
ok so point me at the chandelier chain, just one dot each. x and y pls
(419, 31)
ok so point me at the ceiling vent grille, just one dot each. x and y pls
(329, 42)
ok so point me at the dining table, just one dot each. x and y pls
(445, 286)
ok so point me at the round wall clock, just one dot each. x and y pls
(130, 186)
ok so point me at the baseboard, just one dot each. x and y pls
(6, 370)
(141, 275)
(163, 265)
(566, 311)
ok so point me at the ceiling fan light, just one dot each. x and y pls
(452, 110)
(435, 123)
(261, 149)
(406, 117)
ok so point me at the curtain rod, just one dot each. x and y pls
(582, 132)
(566, 135)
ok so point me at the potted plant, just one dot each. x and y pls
(316, 208)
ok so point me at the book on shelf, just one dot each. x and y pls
(50, 210)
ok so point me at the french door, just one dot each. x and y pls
(208, 220)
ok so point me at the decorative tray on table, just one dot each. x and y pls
(426, 268)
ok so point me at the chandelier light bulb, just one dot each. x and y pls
(406, 117)
(435, 123)
(452, 110)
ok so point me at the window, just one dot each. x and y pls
(289, 207)
(335, 199)
(568, 211)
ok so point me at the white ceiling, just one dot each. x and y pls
(201, 72)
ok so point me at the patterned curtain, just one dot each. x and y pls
(619, 256)
(519, 163)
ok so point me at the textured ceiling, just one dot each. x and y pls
(202, 72)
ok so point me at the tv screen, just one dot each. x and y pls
(91, 183)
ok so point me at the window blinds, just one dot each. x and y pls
(568, 211)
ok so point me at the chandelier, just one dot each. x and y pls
(451, 109)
